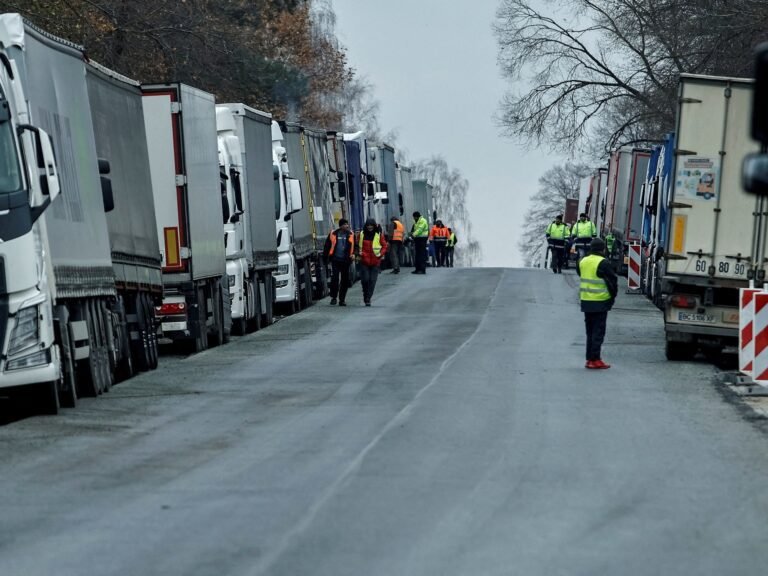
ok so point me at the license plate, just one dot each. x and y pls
(701, 318)
(173, 326)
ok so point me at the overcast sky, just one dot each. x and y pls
(433, 63)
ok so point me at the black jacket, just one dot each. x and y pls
(604, 271)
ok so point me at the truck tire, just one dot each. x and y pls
(217, 335)
(269, 300)
(140, 348)
(254, 303)
(67, 386)
(107, 374)
(46, 396)
(89, 370)
(679, 351)
(201, 340)
(149, 319)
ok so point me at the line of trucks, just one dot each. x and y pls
(702, 236)
(136, 214)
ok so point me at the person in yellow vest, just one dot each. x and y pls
(420, 235)
(396, 236)
(449, 248)
(598, 288)
(371, 250)
(556, 234)
(582, 233)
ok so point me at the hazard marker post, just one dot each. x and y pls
(760, 337)
(633, 268)
(746, 329)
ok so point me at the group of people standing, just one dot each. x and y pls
(561, 237)
(442, 244)
(369, 248)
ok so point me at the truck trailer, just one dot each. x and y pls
(181, 132)
(715, 243)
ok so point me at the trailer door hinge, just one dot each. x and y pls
(181, 180)
(175, 107)
(690, 101)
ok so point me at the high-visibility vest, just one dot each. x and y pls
(420, 228)
(592, 288)
(584, 229)
(351, 242)
(376, 244)
(399, 231)
(440, 234)
(557, 231)
(609, 241)
(451, 240)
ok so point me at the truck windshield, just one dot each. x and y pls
(10, 174)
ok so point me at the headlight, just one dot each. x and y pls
(232, 279)
(282, 270)
(40, 358)
(26, 332)
(281, 283)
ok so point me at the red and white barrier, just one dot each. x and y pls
(760, 337)
(746, 329)
(633, 267)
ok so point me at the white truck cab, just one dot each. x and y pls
(291, 201)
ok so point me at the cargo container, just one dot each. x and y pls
(423, 201)
(405, 209)
(181, 132)
(715, 244)
(356, 147)
(571, 213)
(383, 193)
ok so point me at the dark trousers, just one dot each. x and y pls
(421, 253)
(339, 279)
(440, 252)
(449, 256)
(557, 251)
(368, 277)
(395, 249)
(595, 323)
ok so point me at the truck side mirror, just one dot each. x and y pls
(106, 194)
(104, 167)
(754, 173)
(760, 95)
(294, 195)
(48, 174)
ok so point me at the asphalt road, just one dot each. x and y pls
(450, 429)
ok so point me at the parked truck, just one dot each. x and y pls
(595, 204)
(295, 245)
(423, 201)
(623, 215)
(383, 188)
(118, 122)
(715, 243)
(181, 132)
(245, 148)
(57, 282)
(356, 147)
(405, 209)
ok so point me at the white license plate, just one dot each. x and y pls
(173, 326)
(701, 318)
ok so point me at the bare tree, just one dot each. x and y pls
(607, 70)
(451, 190)
(555, 186)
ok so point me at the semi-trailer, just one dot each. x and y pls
(715, 241)
(180, 123)
(57, 279)
(118, 122)
(252, 253)
(315, 148)
(383, 189)
(405, 209)
(356, 147)
(423, 199)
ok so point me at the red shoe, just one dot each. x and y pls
(600, 365)
(590, 365)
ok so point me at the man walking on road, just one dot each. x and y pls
(396, 236)
(556, 232)
(597, 290)
(582, 233)
(372, 247)
(420, 234)
(339, 250)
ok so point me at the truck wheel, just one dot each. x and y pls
(107, 374)
(678, 351)
(217, 336)
(308, 286)
(201, 341)
(47, 397)
(149, 319)
(269, 300)
(89, 370)
(254, 304)
(67, 389)
(140, 347)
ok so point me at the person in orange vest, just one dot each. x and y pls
(396, 236)
(339, 250)
(372, 247)
(439, 236)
